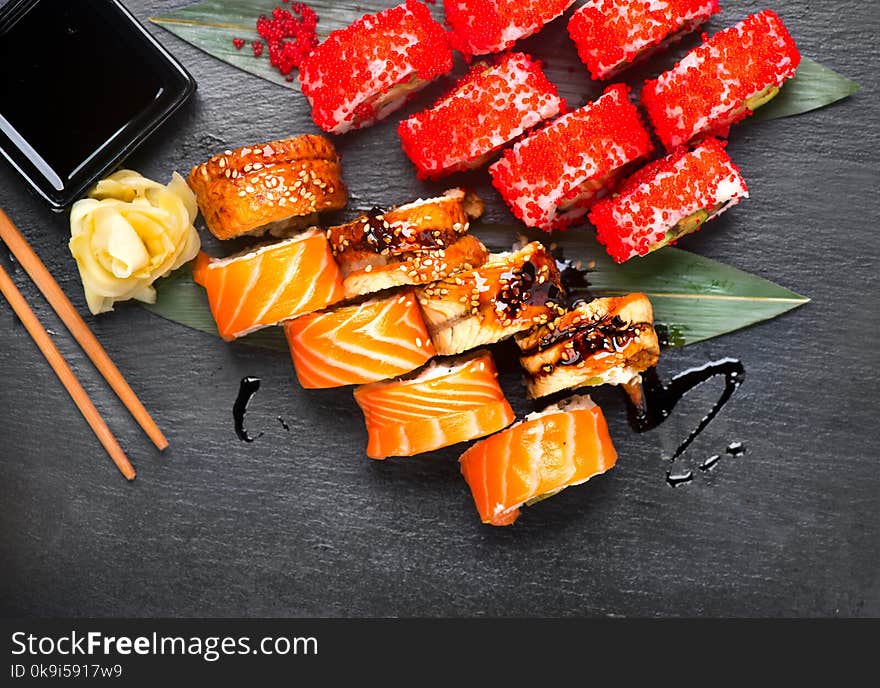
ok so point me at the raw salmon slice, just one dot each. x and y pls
(270, 284)
(563, 445)
(446, 402)
(364, 342)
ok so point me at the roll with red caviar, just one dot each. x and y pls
(722, 81)
(612, 34)
(552, 177)
(479, 27)
(489, 107)
(364, 72)
(667, 199)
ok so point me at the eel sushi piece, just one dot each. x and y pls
(276, 188)
(490, 106)
(722, 81)
(416, 243)
(510, 293)
(611, 35)
(362, 73)
(551, 178)
(268, 284)
(357, 343)
(668, 199)
(446, 402)
(479, 27)
(608, 341)
(565, 444)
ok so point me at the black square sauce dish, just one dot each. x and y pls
(82, 84)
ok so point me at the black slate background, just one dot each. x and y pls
(300, 523)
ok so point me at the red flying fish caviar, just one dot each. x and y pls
(489, 107)
(290, 38)
(490, 26)
(667, 199)
(722, 81)
(611, 34)
(364, 72)
(552, 177)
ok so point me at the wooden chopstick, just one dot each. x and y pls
(78, 328)
(65, 374)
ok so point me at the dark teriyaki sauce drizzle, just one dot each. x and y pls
(246, 390)
(658, 399)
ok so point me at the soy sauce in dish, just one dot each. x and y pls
(82, 84)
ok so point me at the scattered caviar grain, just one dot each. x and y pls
(238, 43)
(257, 48)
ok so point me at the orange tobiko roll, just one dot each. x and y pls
(490, 26)
(447, 402)
(362, 73)
(563, 445)
(551, 178)
(490, 107)
(269, 284)
(359, 343)
(722, 81)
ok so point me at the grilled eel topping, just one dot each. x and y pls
(276, 188)
(606, 341)
(416, 243)
(510, 293)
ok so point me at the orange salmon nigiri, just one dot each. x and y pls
(363, 342)
(563, 445)
(269, 284)
(446, 402)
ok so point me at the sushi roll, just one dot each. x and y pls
(491, 106)
(364, 72)
(552, 177)
(416, 243)
(607, 341)
(667, 199)
(610, 35)
(479, 27)
(565, 444)
(444, 403)
(510, 293)
(272, 188)
(269, 284)
(722, 81)
(359, 343)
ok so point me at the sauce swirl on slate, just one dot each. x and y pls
(246, 390)
(660, 399)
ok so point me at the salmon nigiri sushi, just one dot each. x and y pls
(446, 402)
(563, 445)
(269, 284)
(363, 342)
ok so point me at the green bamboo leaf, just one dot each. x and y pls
(813, 86)
(212, 24)
(694, 298)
